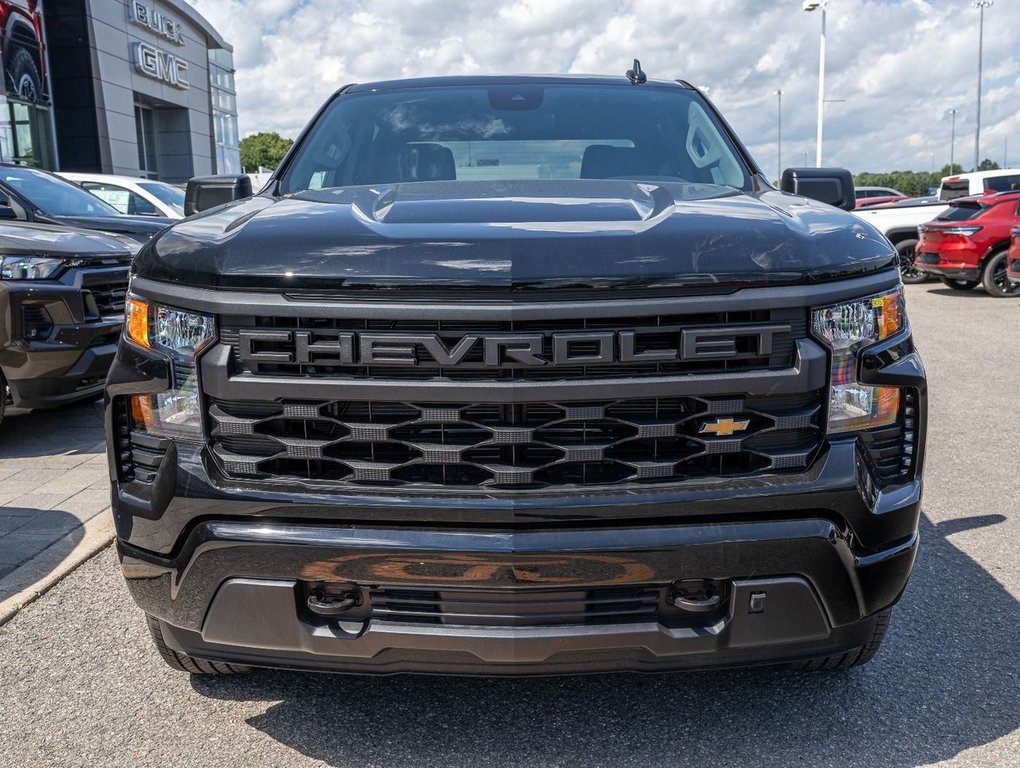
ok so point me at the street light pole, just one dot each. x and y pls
(952, 142)
(814, 5)
(779, 141)
(980, 5)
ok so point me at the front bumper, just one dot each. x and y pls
(67, 355)
(795, 590)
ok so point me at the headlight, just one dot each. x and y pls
(846, 329)
(180, 334)
(31, 267)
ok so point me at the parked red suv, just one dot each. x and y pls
(967, 244)
(1013, 259)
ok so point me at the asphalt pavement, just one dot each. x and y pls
(81, 685)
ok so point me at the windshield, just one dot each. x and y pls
(53, 195)
(516, 131)
(171, 196)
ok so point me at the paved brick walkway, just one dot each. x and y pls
(53, 478)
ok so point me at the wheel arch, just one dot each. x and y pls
(899, 234)
(20, 34)
(993, 250)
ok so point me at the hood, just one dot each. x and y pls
(46, 240)
(515, 236)
(139, 228)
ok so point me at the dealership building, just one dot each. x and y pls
(132, 87)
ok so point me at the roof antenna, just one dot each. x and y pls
(636, 76)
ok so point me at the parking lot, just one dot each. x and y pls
(83, 686)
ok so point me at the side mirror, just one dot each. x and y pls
(6, 212)
(834, 186)
(206, 192)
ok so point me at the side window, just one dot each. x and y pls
(140, 206)
(108, 193)
(121, 198)
(1003, 183)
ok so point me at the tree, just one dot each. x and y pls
(263, 150)
(988, 165)
(911, 183)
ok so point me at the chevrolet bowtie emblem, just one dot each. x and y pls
(723, 427)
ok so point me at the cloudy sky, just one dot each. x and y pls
(897, 65)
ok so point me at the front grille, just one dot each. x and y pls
(105, 298)
(519, 446)
(602, 605)
(310, 347)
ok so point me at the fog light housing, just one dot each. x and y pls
(846, 329)
(175, 413)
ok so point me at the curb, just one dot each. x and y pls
(39, 575)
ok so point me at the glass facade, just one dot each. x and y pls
(223, 99)
(145, 132)
(25, 133)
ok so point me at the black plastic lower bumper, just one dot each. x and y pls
(83, 377)
(794, 589)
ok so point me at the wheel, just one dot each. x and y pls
(910, 274)
(184, 663)
(958, 285)
(23, 75)
(856, 656)
(994, 280)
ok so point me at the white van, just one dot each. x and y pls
(967, 184)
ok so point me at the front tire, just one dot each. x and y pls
(856, 656)
(994, 279)
(959, 285)
(909, 273)
(184, 663)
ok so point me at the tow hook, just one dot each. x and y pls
(695, 596)
(324, 604)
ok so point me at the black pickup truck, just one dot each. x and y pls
(517, 375)
(61, 310)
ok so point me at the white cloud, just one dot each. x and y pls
(898, 64)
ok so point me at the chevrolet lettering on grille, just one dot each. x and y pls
(484, 350)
